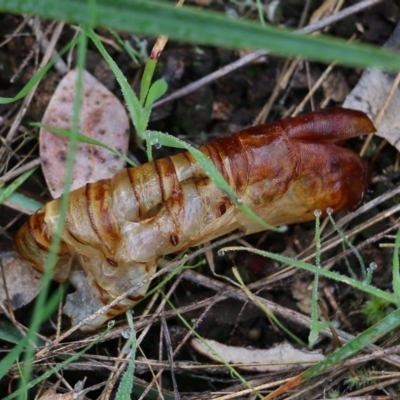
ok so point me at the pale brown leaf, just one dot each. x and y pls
(260, 360)
(77, 393)
(23, 284)
(371, 94)
(102, 118)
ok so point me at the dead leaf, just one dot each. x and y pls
(23, 283)
(371, 93)
(102, 118)
(77, 394)
(301, 291)
(221, 110)
(335, 87)
(323, 10)
(277, 358)
(51, 394)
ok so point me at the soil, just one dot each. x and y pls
(222, 107)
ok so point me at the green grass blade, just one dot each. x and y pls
(133, 54)
(9, 333)
(396, 272)
(37, 77)
(126, 385)
(85, 139)
(210, 169)
(369, 336)
(266, 310)
(27, 88)
(231, 369)
(10, 189)
(182, 266)
(59, 366)
(151, 17)
(51, 261)
(315, 325)
(11, 357)
(348, 243)
(146, 79)
(132, 102)
(391, 298)
(22, 201)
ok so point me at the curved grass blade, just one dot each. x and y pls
(371, 335)
(391, 298)
(85, 139)
(155, 18)
(210, 169)
(61, 365)
(11, 188)
(37, 77)
(22, 202)
(12, 356)
(126, 384)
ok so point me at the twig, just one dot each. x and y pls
(168, 346)
(18, 171)
(247, 59)
(59, 65)
(29, 97)
(283, 312)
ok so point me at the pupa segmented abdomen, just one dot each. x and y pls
(116, 229)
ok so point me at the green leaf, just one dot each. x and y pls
(157, 90)
(147, 77)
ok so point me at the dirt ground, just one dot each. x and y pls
(209, 301)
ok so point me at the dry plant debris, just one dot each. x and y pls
(377, 93)
(205, 300)
(278, 358)
(22, 283)
(102, 117)
(116, 229)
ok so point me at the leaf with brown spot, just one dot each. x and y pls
(102, 117)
